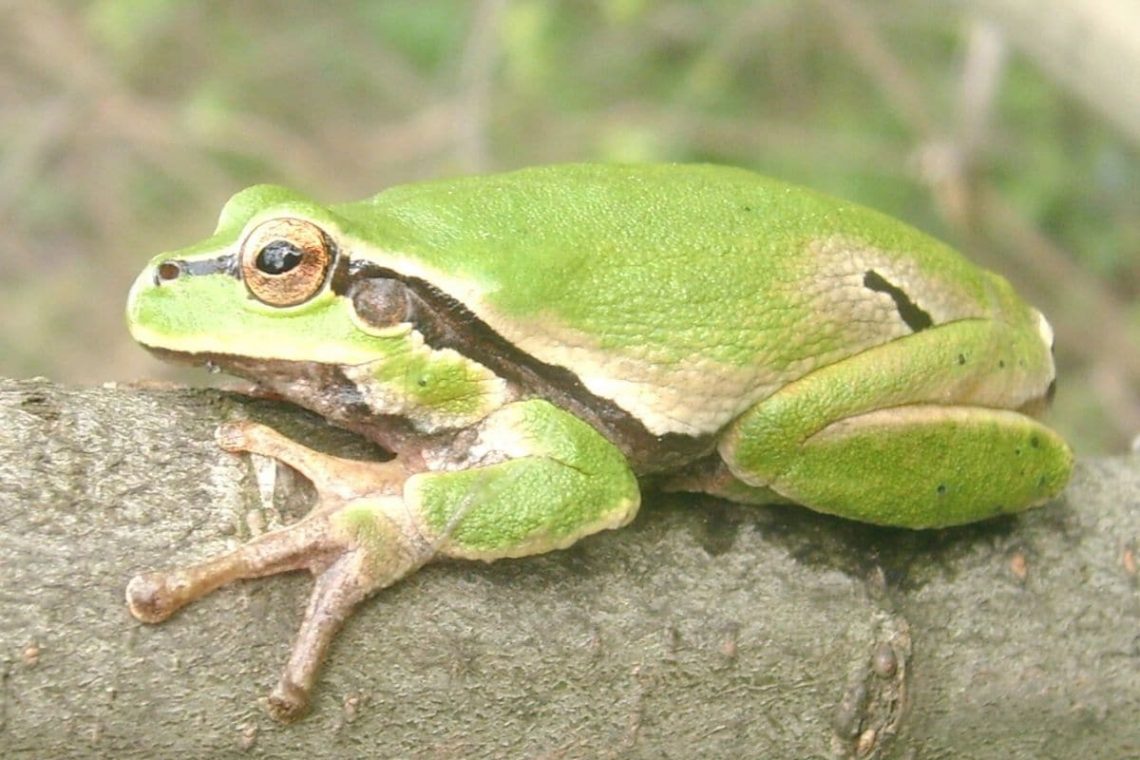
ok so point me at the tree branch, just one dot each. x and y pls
(703, 629)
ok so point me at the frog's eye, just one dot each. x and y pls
(285, 262)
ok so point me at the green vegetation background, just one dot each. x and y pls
(125, 125)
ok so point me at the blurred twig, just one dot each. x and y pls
(1091, 47)
(972, 205)
(476, 79)
(861, 37)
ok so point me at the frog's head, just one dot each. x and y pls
(259, 288)
(1026, 375)
(283, 295)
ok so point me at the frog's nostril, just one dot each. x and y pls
(166, 271)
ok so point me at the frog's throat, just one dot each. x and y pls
(327, 390)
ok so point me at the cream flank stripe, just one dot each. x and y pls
(678, 396)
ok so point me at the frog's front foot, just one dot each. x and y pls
(288, 701)
(353, 550)
(151, 598)
(358, 539)
(544, 480)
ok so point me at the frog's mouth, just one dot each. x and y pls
(318, 387)
(305, 383)
(1037, 407)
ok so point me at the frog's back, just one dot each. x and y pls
(648, 281)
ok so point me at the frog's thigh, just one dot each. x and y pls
(554, 479)
(861, 439)
(927, 466)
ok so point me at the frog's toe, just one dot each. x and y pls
(287, 702)
(150, 599)
(231, 436)
(337, 480)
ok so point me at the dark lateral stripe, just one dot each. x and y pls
(227, 263)
(916, 319)
(446, 323)
(359, 269)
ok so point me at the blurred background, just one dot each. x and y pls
(1010, 128)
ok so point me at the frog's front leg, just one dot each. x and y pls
(533, 479)
(325, 542)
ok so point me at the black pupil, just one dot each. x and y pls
(279, 257)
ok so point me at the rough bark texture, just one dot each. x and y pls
(702, 630)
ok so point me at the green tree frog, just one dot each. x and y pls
(535, 347)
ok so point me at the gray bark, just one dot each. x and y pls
(702, 630)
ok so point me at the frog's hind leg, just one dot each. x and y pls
(713, 477)
(917, 432)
